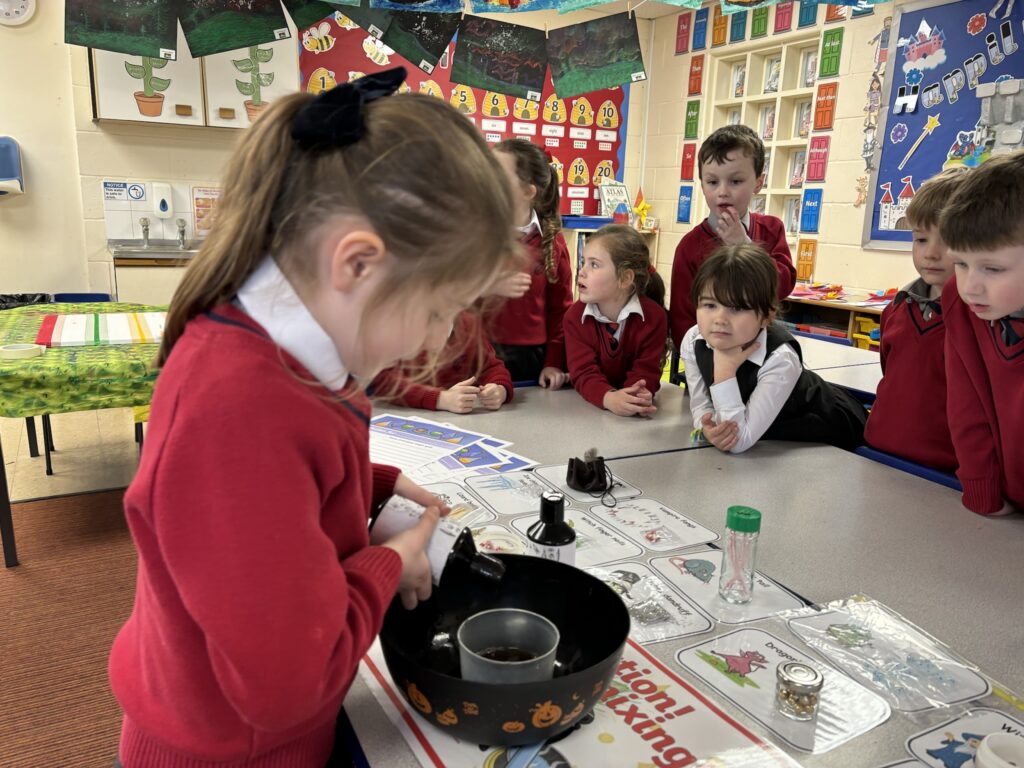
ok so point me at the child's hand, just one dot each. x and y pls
(414, 584)
(727, 362)
(729, 227)
(459, 398)
(723, 436)
(629, 402)
(552, 378)
(512, 286)
(407, 489)
(492, 396)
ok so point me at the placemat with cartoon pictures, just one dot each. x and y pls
(741, 666)
(647, 716)
(904, 665)
(952, 743)
(695, 572)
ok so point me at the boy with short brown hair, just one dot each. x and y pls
(904, 420)
(983, 307)
(730, 164)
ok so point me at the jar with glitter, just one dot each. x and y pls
(797, 690)
(736, 580)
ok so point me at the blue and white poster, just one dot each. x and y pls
(700, 30)
(685, 203)
(952, 97)
(810, 211)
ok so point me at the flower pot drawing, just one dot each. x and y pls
(254, 110)
(150, 106)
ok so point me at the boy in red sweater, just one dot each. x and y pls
(904, 420)
(475, 374)
(257, 591)
(983, 308)
(731, 168)
(527, 330)
(615, 334)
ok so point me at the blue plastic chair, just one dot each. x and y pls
(830, 339)
(910, 467)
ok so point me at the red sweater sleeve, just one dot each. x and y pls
(493, 371)
(557, 300)
(407, 395)
(688, 256)
(283, 621)
(650, 346)
(583, 357)
(969, 421)
(384, 478)
(772, 237)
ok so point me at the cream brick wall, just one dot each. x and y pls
(841, 258)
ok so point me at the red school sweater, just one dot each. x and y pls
(471, 354)
(908, 418)
(536, 316)
(257, 591)
(597, 369)
(984, 381)
(767, 231)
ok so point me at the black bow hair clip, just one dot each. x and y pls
(334, 118)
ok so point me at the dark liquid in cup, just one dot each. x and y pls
(507, 654)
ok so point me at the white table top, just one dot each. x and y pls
(820, 354)
(549, 427)
(860, 378)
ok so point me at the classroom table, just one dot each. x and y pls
(67, 379)
(861, 380)
(834, 525)
(549, 427)
(819, 354)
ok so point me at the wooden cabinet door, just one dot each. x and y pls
(148, 90)
(264, 72)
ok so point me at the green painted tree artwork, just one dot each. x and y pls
(150, 99)
(257, 80)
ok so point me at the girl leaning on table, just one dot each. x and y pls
(257, 590)
(744, 371)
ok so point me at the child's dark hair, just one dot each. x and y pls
(730, 138)
(932, 196)
(628, 251)
(739, 276)
(534, 167)
(417, 155)
(985, 212)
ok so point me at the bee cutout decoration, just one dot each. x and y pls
(354, 75)
(495, 105)
(554, 109)
(559, 168)
(524, 109)
(344, 22)
(582, 112)
(579, 173)
(321, 79)
(318, 39)
(464, 100)
(376, 51)
(608, 115)
(431, 88)
(603, 172)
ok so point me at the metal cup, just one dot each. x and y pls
(505, 636)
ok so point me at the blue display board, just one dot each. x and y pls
(950, 98)
(685, 203)
(700, 30)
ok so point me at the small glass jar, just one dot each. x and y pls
(736, 580)
(798, 690)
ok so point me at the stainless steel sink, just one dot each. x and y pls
(157, 249)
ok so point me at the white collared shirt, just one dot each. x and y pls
(269, 299)
(632, 307)
(776, 379)
(534, 223)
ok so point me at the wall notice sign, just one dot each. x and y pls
(204, 204)
(493, 125)
(578, 192)
(553, 130)
(580, 133)
(524, 129)
(606, 136)
(115, 190)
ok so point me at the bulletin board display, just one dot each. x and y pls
(951, 96)
(585, 135)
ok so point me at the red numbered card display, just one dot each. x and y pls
(583, 134)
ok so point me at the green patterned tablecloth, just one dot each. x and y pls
(68, 379)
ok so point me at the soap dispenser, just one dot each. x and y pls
(163, 206)
(12, 182)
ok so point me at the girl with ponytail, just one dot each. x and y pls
(527, 330)
(258, 591)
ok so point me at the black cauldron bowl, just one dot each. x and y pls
(421, 652)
